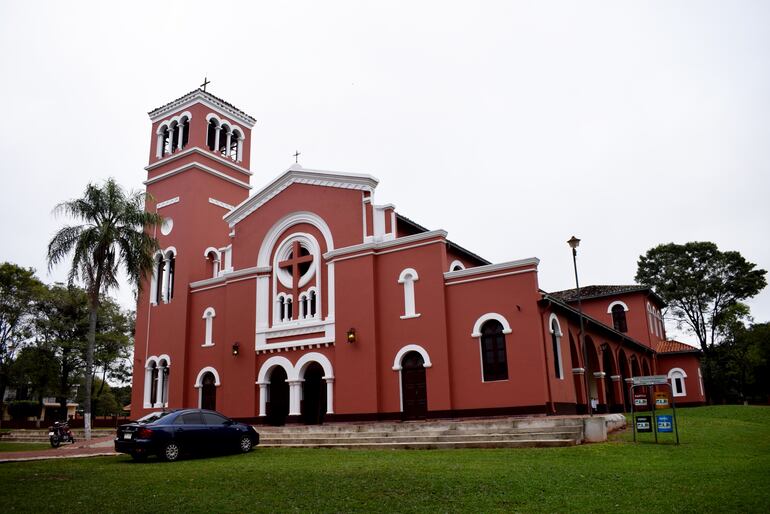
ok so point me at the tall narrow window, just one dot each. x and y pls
(556, 347)
(225, 135)
(281, 308)
(208, 318)
(163, 371)
(619, 318)
(677, 377)
(166, 142)
(311, 303)
(171, 273)
(211, 135)
(159, 278)
(493, 354)
(408, 277)
(185, 132)
(153, 384)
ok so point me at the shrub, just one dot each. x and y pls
(23, 409)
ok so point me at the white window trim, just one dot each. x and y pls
(486, 317)
(408, 277)
(208, 316)
(551, 320)
(458, 264)
(617, 302)
(199, 385)
(677, 373)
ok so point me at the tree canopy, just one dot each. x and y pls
(701, 284)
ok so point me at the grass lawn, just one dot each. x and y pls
(723, 464)
(22, 447)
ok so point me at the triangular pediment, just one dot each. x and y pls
(296, 174)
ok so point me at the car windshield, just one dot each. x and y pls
(151, 418)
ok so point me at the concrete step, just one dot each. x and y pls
(417, 438)
(438, 426)
(434, 445)
(340, 434)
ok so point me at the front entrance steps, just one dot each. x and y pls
(512, 432)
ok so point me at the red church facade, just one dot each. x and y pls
(309, 301)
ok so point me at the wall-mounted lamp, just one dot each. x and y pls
(351, 335)
(236, 348)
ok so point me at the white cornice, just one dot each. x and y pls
(196, 165)
(195, 149)
(199, 96)
(298, 174)
(221, 279)
(422, 236)
(478, 270)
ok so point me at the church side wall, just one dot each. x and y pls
(690, 364)
(515, 298)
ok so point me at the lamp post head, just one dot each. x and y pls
(574, 242)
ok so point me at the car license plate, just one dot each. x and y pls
(127, 435)
(50, 434)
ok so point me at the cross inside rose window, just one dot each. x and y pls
(297, 265)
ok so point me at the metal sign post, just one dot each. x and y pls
(650, 382)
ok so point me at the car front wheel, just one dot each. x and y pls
(171, 452)
(246, 444)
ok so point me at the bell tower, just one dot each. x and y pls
(198, 171)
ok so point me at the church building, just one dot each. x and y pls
(310, 300)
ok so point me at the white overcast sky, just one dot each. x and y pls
(513, 125)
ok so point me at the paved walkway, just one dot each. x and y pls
(97, 447)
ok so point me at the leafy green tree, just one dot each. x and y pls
(114, 234)
(700, 284)
(703, 287)
(62, 328)
(20, 291)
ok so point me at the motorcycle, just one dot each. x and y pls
(60, 433)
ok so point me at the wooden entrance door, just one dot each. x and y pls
(413, 389)
(313, 395)
(278, 406)
(208, 392)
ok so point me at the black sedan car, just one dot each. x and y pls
(169, 434)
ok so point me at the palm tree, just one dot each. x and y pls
(114, 234)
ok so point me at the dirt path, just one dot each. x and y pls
(101, 446)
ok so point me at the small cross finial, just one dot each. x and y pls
(206, 82)
(296, 157)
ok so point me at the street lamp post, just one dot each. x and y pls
(574, 242)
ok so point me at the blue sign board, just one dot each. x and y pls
(665, 423)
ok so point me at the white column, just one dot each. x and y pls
(159, 146)
(166, 273)
(329, 395)
(159, 389)
(263, 398)
(147, 386)
(179, 136)
(229, 139)
(240, 149)
(295, 390)
(216, 138)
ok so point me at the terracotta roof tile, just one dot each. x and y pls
(675, 347)
(570, 295)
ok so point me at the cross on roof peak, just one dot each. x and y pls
(206, 82)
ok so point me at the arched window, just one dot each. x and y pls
(311, 303)
(212, 134)
(408, 277)
(212, 262)
(165, 142)
(456, 266)
(153, 384)
(208, 317)
(185, 127)
(163, 372)
(235, 150)
(619, 318)
(677, 376)
(225, 136)
(288, 305)
(280, 307)
(493, 355)
(556, 347)
(168, 282)
(156, 290)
